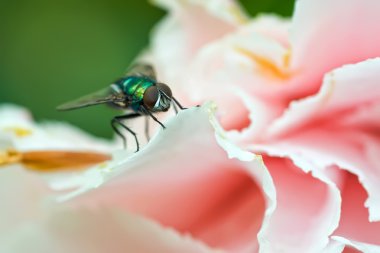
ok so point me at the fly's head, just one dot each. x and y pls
(157, 98)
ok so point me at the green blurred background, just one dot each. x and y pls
(52, 51)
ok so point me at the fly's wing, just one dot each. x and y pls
(141, 69)
(99, 97)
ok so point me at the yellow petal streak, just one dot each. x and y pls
(19, 131)
(266, 66)
(51, 161)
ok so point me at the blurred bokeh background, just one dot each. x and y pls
(53, 51)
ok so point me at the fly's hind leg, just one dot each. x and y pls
(118, 120)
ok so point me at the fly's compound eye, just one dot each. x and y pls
(165, 89)
(150, 97)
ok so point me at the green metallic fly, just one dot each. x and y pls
(138, 91)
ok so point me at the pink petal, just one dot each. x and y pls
(343, 89)
(272, 26)
(246, 60)
(351, 149)
(307, 210)
(340, 244)
(326, 34)
(253, 57)
(354, 222)
(184, 179)
(365, 117)
(353, 246)
(104, 230)
(260, 115)
(186, 29)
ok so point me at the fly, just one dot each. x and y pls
(138, 91)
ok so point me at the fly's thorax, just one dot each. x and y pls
(134, 86)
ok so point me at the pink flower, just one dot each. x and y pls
(311, 99)
(297, 169)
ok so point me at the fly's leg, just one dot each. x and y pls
(175, 107)
(152, 116)
(118, 121)
(114, 122)
(177, 103)
(147, 136)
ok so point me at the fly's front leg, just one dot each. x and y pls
(175, 107)
(118, 120)
(145, 110)
(177, 103)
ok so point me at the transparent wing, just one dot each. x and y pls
(99, 97)
(141, 69)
